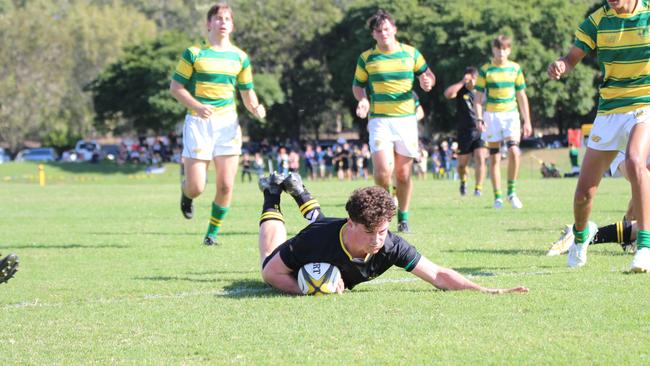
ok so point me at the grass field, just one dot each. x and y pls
(112, 274)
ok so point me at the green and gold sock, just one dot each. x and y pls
(643, 239)
(580, 235)
(497, 194)
(402, 216)
(511, 188)
(218, 213)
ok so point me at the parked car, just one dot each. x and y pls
(532, 143)
(40, 154)
(110, 152)
(87, 150)
(4, 156)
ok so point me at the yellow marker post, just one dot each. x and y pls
(41, 175)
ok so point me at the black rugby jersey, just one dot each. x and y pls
(465, 113)
(321, 242)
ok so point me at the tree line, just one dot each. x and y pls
(72, 68)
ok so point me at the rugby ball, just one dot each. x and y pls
(318, 278)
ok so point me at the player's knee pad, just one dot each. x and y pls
(511, 143)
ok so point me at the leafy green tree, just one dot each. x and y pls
(133, 93)
(36, 68)
(54, 49)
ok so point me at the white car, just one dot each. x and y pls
(86, 149)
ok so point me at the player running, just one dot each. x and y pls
(502, 81)
(383, 87)
(361, 246)
(618, 31)
(205, 81)
(469, 137)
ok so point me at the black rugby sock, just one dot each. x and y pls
(308, 206)
(618, 232)
(271, 208)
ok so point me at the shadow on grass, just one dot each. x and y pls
(529, 252)
(528, 229)
(178, 278)
(63, 246)
(203, 273)
(249, 288)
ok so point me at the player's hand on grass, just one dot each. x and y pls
(556, 69)
(501, 291)
(204, 111)
(363, 107)
(340, 287)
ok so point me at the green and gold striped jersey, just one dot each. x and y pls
(211, 76)
(500, 84)
(388, 77)
(622, 42)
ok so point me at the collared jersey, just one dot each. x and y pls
(322, 242)
(211, 76)
(388, 78)
(622, 43)
(500, 84)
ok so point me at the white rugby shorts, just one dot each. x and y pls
(398, 133)
(501, 126)
(203, 139)
(612, 131)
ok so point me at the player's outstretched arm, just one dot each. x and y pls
(564, 65)
(278, 275)
(448, 279)
(252, 104)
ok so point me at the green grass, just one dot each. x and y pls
(112, 274)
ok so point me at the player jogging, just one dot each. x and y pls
(469, 137)
(383, 87)
(619, 32)
(361, 246)
(205, 81)
(502, 81)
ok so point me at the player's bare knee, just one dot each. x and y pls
(403, 177)
(224, 190)
(382, 178)
(635, 166)
(193, 190)
(584, 195)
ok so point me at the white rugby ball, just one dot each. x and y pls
(318, 278)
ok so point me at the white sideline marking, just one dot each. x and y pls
(242, 291)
